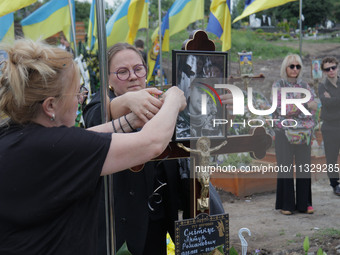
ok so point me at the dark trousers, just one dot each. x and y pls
(286, 154)
(331, 139)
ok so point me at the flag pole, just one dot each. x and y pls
(108, 182)
(147, 37)
(160, 42)
(73, 29)
(300, 14)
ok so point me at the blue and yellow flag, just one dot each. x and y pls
(181, 14)
(8, 6)
(125, 22)
(220, 22)
(153, 54)
(49, 19)
(259, 5)
(92, 31)
(144, 20)
(7, 28)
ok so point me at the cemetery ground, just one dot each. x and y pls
(272, 232)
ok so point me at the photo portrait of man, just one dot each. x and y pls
(246, 64)
(192, 123)
(316, 70)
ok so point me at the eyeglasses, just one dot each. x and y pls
(124, 73)
(298, 67)
(330, 68)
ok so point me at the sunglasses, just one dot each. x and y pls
(330, 68)
(298, 67)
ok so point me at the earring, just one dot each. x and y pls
(53, 117)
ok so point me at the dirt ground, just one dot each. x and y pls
(272, 232)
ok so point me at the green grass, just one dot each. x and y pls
(329, 232)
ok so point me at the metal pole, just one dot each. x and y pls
(101, 30)
(300, 14)
(73, 29)
(160, 41)
(147, 36)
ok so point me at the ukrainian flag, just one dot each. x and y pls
(181, 14)
(8, 6)
(48, 20)
(260, 5)
(7, 27)
(153, 55)
(125, 22)
(144, 20)
(220, 22)
(92, 31)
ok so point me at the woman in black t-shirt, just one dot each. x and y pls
(50, 170)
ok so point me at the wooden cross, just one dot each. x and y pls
(256, 143)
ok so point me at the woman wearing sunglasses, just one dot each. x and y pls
(292, 142)
(329, 92)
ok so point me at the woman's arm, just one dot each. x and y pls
(124, 124)
(128, 150)
(326, 99)
(142, 103)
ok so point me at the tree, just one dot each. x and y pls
(314, 11)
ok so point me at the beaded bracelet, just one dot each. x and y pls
(134, 130)
(120, 124)
(113, 125)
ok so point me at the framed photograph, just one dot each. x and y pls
(196, 73)
(246, 63)
(316, 69)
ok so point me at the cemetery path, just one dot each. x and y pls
(274, 233)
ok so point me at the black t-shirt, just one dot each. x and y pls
(49, 189)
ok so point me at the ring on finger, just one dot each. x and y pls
(146, 114)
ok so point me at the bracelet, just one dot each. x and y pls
(134, 130)
(114, 128)
(120, 124)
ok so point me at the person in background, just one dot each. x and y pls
(329, 93)
(293, 145)
(65, 45)
(139, 44)
(50, 175)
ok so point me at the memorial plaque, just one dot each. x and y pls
(202, 234)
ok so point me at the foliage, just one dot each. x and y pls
(306, 247)
(314, 11)
(234, 159)
(123, 250)
(92, 63)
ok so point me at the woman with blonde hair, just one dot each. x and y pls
(50, 170)
(292, 142)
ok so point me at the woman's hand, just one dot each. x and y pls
(177, 95)
(134, 121)
(312, 105)
(144, 103)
